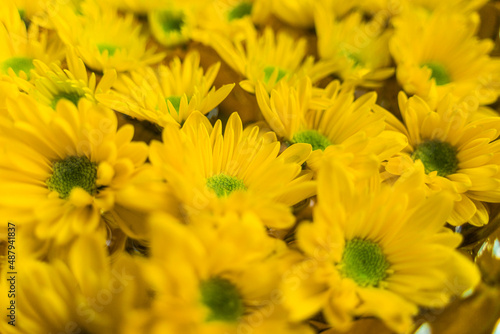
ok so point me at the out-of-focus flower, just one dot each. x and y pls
(216, 279)
(358, 49)
(103, 38)
(432, 61)
(19, 45)
(268, 58)
(84, 293)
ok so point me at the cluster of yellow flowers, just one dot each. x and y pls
(223, 166)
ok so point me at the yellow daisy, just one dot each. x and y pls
(19, 46)
(360, 49)
(168, 93)
(458, 154)
(211, 171)
(216, 279)
(268, 58)
(52, 83)
(376, 251)
(173, 24)
(335, 121)
(229, 17)
(103, 38)
(432, 61)
(61, 170)
(84, 294)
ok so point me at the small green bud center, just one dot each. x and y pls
(241, 10)
(171, 21)
(73, 172)
(437, 156)
(176, 101)
(364, 262)
(107, 47)
(312, 137)
(439, 73)
(223, 184)
(74, 97)
(270, 70)
(222, 299)
(18, 64)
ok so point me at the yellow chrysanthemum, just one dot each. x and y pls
(359, 49)
(216, 279)
(52, 83)
(376, 251)
(167, 94)
(19, 46)
(230, 17)
(268, 58)
(334, 121)
(83, 295)
(458, 154)
(236, 171)
(432, 61)
(61, 170)
(103, 38)
(173, 24)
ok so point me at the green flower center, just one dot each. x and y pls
(437, 156)
(364, 262)
(73, 172)
(171, 21)
(241, 10)
(107, 47)
(18, 64)
(223, 300)
(439, 73)
(74, 97)
(312, 137)
(176, 101)
(223, 184)
(269, 70)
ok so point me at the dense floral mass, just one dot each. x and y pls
(248, 166)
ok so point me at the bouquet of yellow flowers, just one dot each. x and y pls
(249, 167)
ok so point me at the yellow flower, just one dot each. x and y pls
(61, 170)
(376, 251)
(216, 279)
(19, 46)
(331, 121)
(52, 83)
(432, 61)
(82, 293)
(359, 49)
(268, 58)
(103, 38)
(169, 93)
(230, 17)
(458, 154)
(238, 171)
(173, 24)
